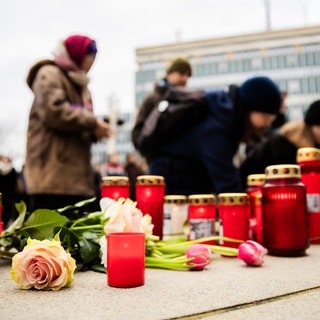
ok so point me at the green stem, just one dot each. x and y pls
(94, 226)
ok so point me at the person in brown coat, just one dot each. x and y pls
(62, 127)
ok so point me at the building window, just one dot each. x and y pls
(223, 67)
(256, 63)
(294, 86)
(292, 61)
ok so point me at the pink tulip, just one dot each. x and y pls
(201, 255)
(251, 253)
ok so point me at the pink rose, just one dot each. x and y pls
(252, 253)
(201, 255)
(43, 265)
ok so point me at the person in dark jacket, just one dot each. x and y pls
(201, 159)
(282, 147)
(177, 74)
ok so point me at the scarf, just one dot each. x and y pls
(76, 75)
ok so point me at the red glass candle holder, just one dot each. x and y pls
(284, 210)
(309, 162)
(254, 184)
(115, 187)
(234, 212)
(150, 192)
(202, 216)
(125, 259)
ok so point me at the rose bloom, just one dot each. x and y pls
(201, 255)
(123, 216)
(43, 265)
(252, 253)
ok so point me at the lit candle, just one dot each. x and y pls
(202, 215)
(234, 211)
(254, 184)
(150, 199)
(115, 187)
(125, 259)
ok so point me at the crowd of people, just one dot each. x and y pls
(198, 157)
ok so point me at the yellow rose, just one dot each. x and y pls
(43, 265)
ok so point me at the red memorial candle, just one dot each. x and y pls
(284, 211)
(309, 162)
(234, 212)
(125, 259)
(115, 187)
(150, 192)
(254, 184)
(202, 215)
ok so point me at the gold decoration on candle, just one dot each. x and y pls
(283, 171)
(200, 199)
(308, 154)
(150, 180)
(233, 198)
(115, 181)
(256, 179)
(175, 199)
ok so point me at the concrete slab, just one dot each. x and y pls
(218, 291)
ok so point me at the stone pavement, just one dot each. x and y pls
(283, 288)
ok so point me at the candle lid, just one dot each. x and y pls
(198, 199)
(115, 181)
(177, 199)
(150, 180)
(283, 171)
(233, 198)
(308, 154)
(256, 179)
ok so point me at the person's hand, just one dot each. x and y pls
(103, 130)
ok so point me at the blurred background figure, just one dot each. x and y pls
(62, 126)
(114, 167)
(8, 185)
(177, 74)
(282, 147)
(200, 159)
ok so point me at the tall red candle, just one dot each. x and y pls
(234, 212)
(125, 259)
(115, 187)
(309, 161)
(284, 210)
(150, 192)
(254, 184)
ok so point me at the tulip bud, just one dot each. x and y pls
(201, 255)
(251, 253)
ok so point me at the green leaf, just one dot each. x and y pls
(18, 223)
(41, 223)
(77, 205)
(89, 251)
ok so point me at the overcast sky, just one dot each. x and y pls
(30, 30)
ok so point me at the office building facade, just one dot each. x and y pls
(290, 57)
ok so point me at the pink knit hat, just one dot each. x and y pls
(78, 46)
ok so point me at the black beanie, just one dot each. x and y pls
(261, 94)
(180, 65)
(312, 116)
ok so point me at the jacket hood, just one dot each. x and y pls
(34, 70)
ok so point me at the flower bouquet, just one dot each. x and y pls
(33, 241)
